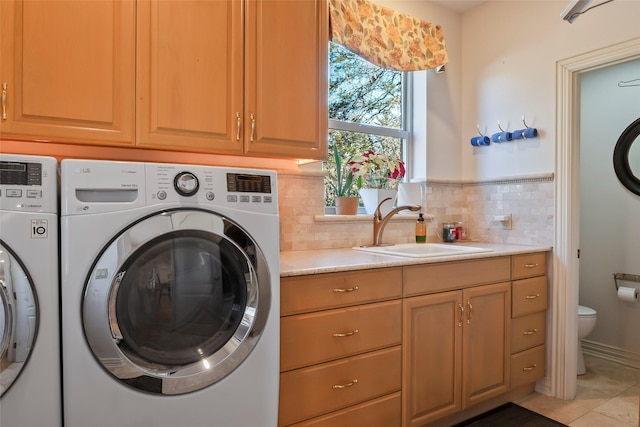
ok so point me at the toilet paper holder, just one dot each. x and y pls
(625, 277)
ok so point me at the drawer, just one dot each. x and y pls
(527, 366)
(430, 278)
(528, 296)
(310, 392)
(528, 265)
(382, 412)
(306, 339)
(331, 290)
(527, 331)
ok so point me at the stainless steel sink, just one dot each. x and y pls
(422, 250)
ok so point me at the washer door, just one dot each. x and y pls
(177, 301)
(18, 317)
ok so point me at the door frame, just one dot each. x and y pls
(561, 381)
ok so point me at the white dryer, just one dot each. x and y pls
(29, 311)
(170, 295)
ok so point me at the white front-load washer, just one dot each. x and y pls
(30, 392)
(170, 295)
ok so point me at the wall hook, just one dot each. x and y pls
(479, 131)
(500, 127)
(628, 83)
(525, 123)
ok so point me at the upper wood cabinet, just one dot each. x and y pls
(67, 71)
(286, 78)
(228, 77)
(190, 75)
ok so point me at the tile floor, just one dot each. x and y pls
(607, 396)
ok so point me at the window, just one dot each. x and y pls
(367, 111)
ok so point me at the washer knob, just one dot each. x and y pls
(186, 184)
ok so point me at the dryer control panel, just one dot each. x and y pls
(28, 183)
(95, 186)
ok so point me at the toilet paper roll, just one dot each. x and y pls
(627, 294)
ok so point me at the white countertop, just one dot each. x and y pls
(298, 263)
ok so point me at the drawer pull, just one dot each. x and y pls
(531, 265)
(461, 308)
(346, 334)
(530, 332)
(529, 368)
(532, 296)
(339, 290)
(347, 385)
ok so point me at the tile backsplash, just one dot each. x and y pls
(530, 201)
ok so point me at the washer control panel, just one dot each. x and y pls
(95, 186)
(28, 183)
(244, 189)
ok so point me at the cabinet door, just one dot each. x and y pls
(286, 78)
(486, 338)
(431, 357)
(69, 70)
(189, 75)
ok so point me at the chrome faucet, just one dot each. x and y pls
(379, 222)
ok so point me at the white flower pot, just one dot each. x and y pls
(371, 197)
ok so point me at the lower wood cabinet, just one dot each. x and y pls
(528, 324)
(381, 412)
(408, 346)
(320, 389)
(456, 351)
(340, 346)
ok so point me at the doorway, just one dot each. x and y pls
(564, 297)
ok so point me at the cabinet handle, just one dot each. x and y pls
(529, 368)
(531, 265)
(347, 385)
(4, 101)
(469, 313)
(532, 296)
(253, 126)
(340, 290)
(239, 123)
(529, 332)
(345, 334)
(461, 314)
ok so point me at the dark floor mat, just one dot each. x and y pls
(509, 415)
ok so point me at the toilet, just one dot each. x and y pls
(586, 322)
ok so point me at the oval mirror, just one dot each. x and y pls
(626, 158)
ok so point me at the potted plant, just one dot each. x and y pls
(377, 176)
(346, 203)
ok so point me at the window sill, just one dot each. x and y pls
(412, 217)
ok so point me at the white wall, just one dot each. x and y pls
(502, 59)
(609, 213)
(440, 124)
(509, 55)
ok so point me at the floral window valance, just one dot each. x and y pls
(385, 37)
